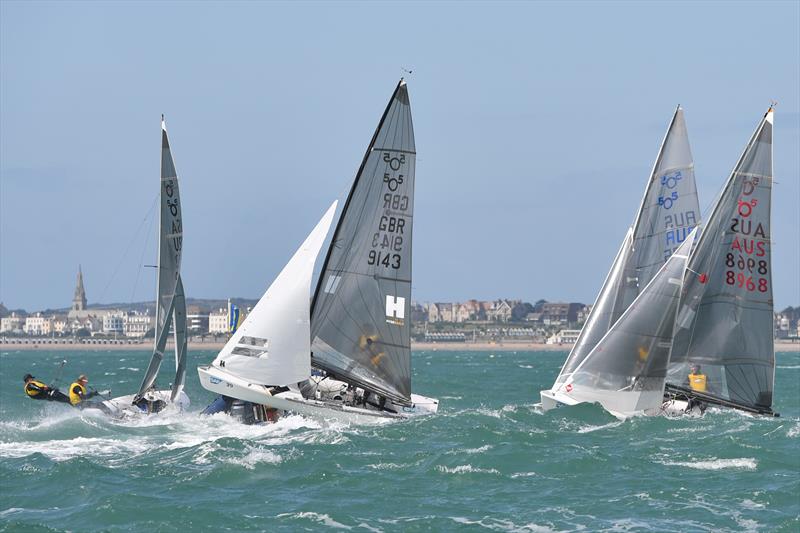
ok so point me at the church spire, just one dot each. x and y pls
(79, 300)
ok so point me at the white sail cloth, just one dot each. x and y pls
(273, 345)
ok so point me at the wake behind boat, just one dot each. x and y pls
(357, 333)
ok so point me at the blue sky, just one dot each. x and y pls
(536, 128)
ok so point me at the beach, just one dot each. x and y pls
(508, 346)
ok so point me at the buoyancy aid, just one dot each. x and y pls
(74, 397)
(36, 389)
(697, 382)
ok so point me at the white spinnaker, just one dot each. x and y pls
(273, 344)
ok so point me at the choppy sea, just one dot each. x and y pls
(489, 461)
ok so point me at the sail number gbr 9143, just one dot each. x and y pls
(747, 261)
(388, 239)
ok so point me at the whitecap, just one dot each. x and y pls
(470, 451)
(745, 463)
(466, 469)
(322, 518)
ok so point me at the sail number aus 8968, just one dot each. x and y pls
(379, 258)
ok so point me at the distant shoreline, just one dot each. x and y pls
(418, 346)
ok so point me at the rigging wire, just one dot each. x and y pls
(128, 248)
(144, 249)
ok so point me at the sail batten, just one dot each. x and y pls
(360, 321)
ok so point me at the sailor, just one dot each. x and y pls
(78, 391)
(36, 390)
(696, 380)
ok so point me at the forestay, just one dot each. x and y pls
(170, 244)
(272, 346)
(668, 212)
(725, 322)
(625, 371)
(360, 323)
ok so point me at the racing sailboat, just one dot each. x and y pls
(170, 301)
(666, 217)
(724, 329)
(352, 360)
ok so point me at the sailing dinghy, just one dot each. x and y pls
(666, 217)
(170, 302)
(348, 357)
(724, 326)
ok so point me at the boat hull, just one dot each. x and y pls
(122, 406)
(217, 380)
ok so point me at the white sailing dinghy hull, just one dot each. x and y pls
(217, 380)
(621, 404)
(123, 407)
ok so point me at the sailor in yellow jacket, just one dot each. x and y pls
(36, 390)
(697, 381)
(78, 391)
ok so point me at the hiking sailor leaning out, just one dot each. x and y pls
(36, 390)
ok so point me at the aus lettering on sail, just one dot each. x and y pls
(678, 224)
(746, 262)
(388, 240)
(175, 233)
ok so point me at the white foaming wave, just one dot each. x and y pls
(494, 524)
(387, 466)
(255, 456)
(470, 451)
(132, 369)
(590, 429)
(744, 463)
(526, 366)
(322, 518)
(750, 504)
(794, 432)
(63, 450)
(788, 367)
(517, 475)
(466, 469)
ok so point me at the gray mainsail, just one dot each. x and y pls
(360, 317)
(181, 344)
(725, 321)
(668, 212)
(626, 370)
(169, 258)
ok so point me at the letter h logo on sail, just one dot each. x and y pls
(395, 310)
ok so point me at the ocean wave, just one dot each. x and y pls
(321, 518)
(66, 449)
(745, 463)
(495, 524)
(466, 469)
(470, 451)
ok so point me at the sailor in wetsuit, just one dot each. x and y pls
(36, 390)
